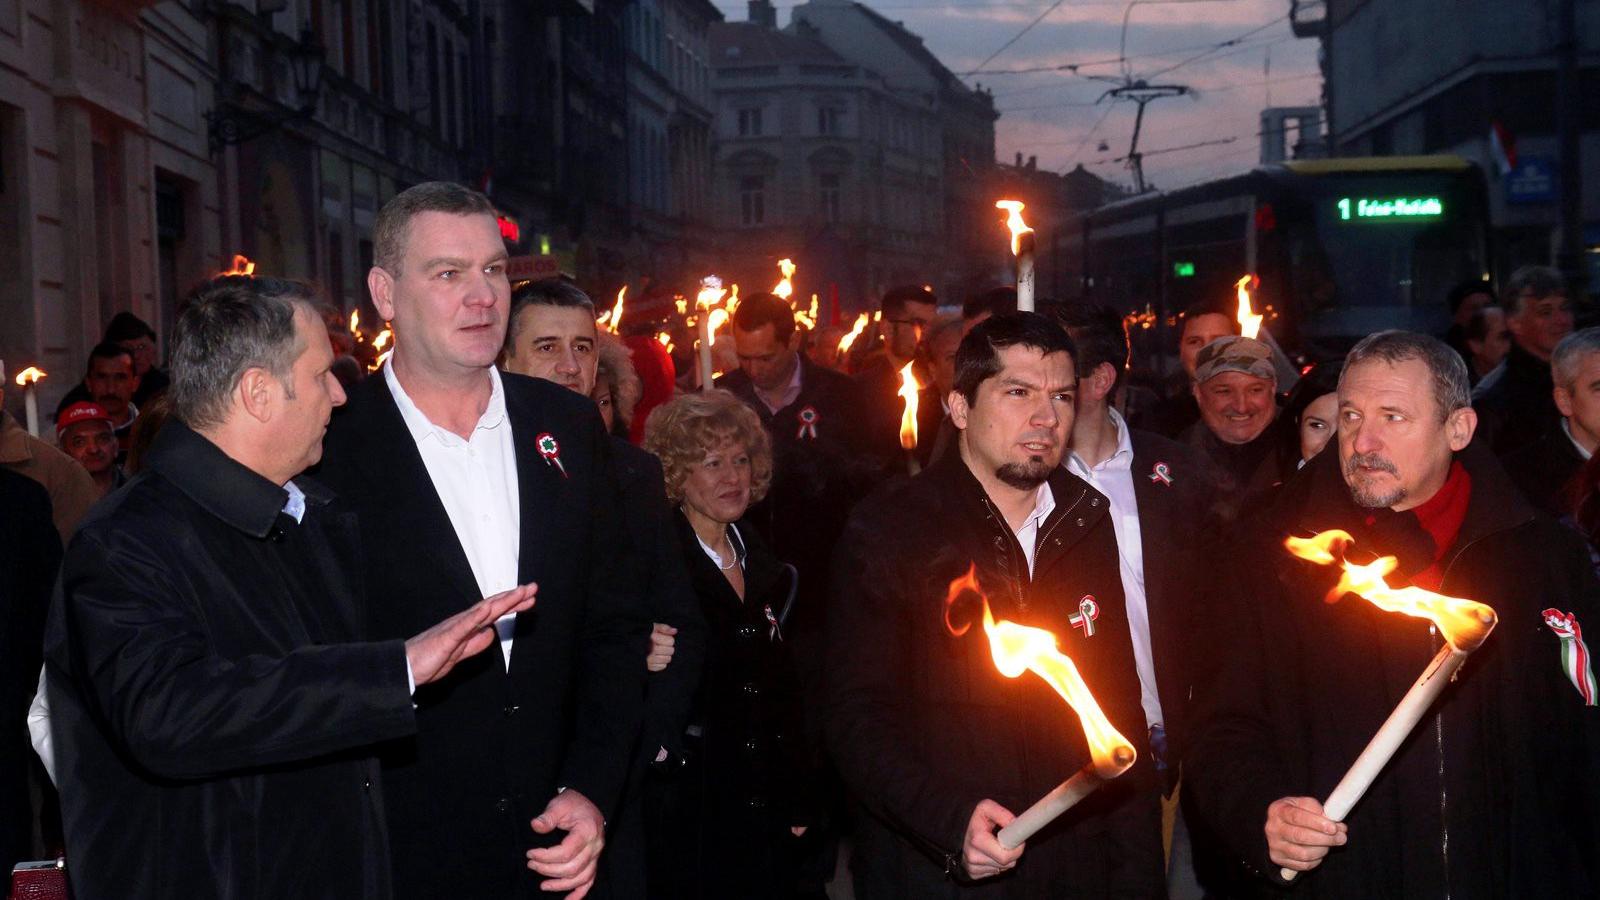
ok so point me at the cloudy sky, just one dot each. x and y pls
(1059, 116)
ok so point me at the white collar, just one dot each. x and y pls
(1566, 428)
(1121, 458)
(1044, 503)
(735, 540)
(421, 427)
(295, 506)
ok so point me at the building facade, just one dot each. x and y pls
(818, 160)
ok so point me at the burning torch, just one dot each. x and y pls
(28, 379)
(706, 305)
(1019, 648)
(1465, 625)
(908, 418)
(1022, 249)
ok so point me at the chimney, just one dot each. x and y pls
(763, 13)
(1033, 163)
(1019, 159)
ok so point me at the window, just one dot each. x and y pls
(828, 119)
(828, 197)
(752, 200)
(750, 122)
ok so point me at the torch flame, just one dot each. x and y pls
(711, 293)
(785, 287)
(855, 332)
(355, 323)
(719, 318)
(1014, 222)
(383, 339)
(241, 266)
(1464, 623)
(665, 340)
(31, 375)
(682, 304)
(908, 419)
(611, 319)
(1249, 320)
(1018, 648)
(813, 312)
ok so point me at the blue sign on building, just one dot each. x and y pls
(1532, 181)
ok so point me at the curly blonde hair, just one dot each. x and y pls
(684, 429)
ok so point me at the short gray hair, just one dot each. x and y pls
(1569, 355)
(229, 325)
(1536, 282)
(1451, 388)
(392, 227)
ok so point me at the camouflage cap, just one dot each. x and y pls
(1234, 354)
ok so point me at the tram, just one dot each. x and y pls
(1342, 248)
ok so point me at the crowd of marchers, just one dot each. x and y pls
(523, 613)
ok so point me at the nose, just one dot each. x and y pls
(568, 363)
(335, 391)
(1364, 439)
(1046, 415)
(483, 290)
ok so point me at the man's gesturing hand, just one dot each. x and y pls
(1299, 835)
(571, 864)
(662, 643)
(435, 652)
(981, 853)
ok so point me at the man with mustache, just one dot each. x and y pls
(940, 747)
(1467, 808)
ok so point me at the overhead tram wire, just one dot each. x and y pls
(1025, 29)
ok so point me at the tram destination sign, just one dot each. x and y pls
(1374, 209)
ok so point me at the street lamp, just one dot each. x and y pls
(232, 123)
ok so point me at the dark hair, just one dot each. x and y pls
(1100, 336)
(229, 325)
(1538, 282)
(896, 298)
(393, 224)
(107, 350)
(757, 311)
(1210, 307)
(978, 357)
(1459, 294)
(1451, 389)
(125, 326)
(994, 301)
(557, 290)
(1478, 326)
(1323, 378)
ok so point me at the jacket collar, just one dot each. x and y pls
(13, 440)
(954, 480)
(221, 485)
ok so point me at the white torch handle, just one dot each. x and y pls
(1050, 807)
(1025, 274)
(30, 403)
(1381, 748)
(705, 349)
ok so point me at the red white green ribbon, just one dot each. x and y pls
(1088, 611)
(1574, 654)
(551, 451)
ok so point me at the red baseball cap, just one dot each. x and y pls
(82, 411)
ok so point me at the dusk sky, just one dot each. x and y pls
(1054, 115)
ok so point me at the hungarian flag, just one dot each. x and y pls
(1574, 654)
(1502, 148)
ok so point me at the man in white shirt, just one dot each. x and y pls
(464, 477)
(1159, 503)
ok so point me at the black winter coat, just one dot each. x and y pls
(1545, 470)
(1493, 795)
(722, 815)
(214, 729)
(923, 726)
(1514, 402)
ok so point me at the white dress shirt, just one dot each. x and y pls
(476, 481)
(1114, 478)
(1044, 503)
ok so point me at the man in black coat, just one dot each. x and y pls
(821, 459)
(1545, 470)
(1514, 401)
(552, 335)
(939, 746)
(213, 716)
(1493, 795)
(30, 554)
(462, 477)
(1160, 504)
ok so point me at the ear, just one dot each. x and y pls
(1460, 427)
(1563, 398)
(381, 285)
(256, 392)
(958, 409)
(1103, 380)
